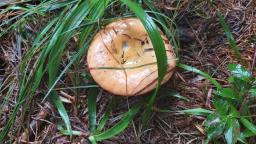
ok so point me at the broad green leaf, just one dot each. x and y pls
(221, 106)
(233, 131)
(197, 111)
(119, 127)
(240, 72)
(240, 85)
(214, 127)
(229, 93)
(234, 113)
(250, 126)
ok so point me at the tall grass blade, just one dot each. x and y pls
(231, 39)
(106, 115)
(119, 127)
(92, 98)
(195, 70)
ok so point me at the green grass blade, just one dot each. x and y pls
(250, 126)
(231, 39)
(195, 70)
(163, 20)
(106, 115)
(61, 109)
(119, 127)
(91, 102)
(197, 111)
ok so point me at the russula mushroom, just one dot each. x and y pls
(121, 58)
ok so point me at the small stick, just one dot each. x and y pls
(35, 124)
(209, 95)
(254, 58)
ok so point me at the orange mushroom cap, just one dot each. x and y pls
(121, 58)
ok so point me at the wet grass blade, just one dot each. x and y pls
(163, 20)
(119, 127)
(61, 109)
(92, 98)
(197, 111)
(250, 126)
(205, 75)
(106, 115)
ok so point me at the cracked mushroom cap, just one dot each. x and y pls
(121, 58)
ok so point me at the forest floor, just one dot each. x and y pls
(203, 45)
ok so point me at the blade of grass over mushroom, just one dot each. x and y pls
(158, 46)
(195, 70)
(231, 39)
(163, 20)
(154, 35)
(119, 127)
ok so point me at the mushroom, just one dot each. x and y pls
(121, 58)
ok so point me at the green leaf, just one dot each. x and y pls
(246, 134)
(195, 70)
(221, 105)
(213, 126)
(119, 127)
(253, 92)
(229, 93)
(234, 113)
(250, 126)
(233, 131)
(240, 72)
(197, 111)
